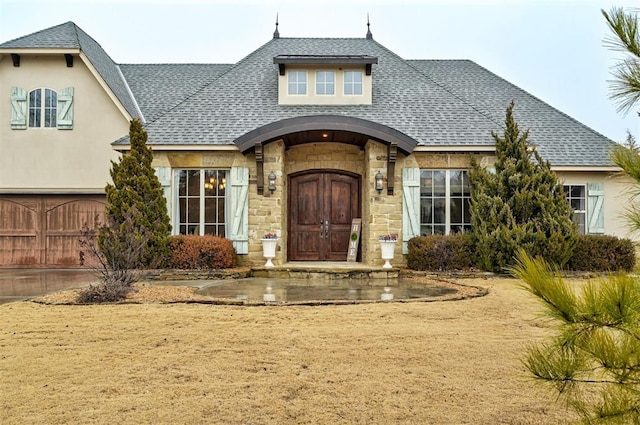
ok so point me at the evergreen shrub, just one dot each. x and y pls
(440, 252)
(602, 253)
(519, 205)
(201, 252)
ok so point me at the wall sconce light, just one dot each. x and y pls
(379, 182)
(272, 181)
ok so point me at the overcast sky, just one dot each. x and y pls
(550, 48)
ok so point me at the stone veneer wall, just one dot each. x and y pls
(381, 213)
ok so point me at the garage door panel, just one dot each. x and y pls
(44, 230)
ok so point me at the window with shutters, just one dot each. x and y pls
(43, 105)
(444, 202)
(202, 202)
(41, 108)
(577, 198)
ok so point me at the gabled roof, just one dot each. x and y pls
(437, 103)
(70, 36)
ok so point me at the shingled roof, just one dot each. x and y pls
(160, 87)
(70, 36)
(437, 103)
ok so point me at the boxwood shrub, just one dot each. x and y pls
(602, 253)
(439, 252)
(201, 252)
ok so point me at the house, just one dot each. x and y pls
(299, 138)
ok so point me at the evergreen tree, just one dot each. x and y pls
(521, 205)
(135, 203)
(625, 86)
(625, 89)
(593, 361)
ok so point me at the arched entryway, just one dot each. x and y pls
(322, 204)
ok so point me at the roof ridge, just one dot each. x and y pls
(175, 64)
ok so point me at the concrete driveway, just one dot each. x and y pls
(20, 284)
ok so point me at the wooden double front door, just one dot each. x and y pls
(321, 207)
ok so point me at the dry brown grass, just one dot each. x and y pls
(447, 362)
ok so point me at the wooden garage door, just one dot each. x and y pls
(43, 231)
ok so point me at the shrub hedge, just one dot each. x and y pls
(602, 253)
(439, 252)
(201, 252)
(457, 252)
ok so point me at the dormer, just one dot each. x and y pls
(325, 79)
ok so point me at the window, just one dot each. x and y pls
(576, 195)
(297, 82)
(42, 108)
(202, 202)
(444, 202)
(353, 82)
(325, 82)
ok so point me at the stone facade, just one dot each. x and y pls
(268, 213)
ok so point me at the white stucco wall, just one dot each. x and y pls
(616, 198)
(48, 160)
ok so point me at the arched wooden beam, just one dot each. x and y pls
(279, 129)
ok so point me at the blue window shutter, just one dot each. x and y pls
(65, 109)
(164, 176)
(595, 208)
(239, 220)
(410, 206)
(18, 108)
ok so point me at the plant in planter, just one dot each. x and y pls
(387, 248)
(269, 244)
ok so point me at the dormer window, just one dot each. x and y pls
(325, 79)
(353, 82)
(297, 82)
(325, 82)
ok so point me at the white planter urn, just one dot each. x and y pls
(269, 250)
(387, 249)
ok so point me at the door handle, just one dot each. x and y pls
(321, 230)
(326, 229)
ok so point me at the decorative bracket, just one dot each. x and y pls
(392, 154)
(69, 59)
(260, 168)
(16, 59)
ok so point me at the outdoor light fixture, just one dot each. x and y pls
(379, 182)
(272, 182)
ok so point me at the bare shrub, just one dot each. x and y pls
(116, 258)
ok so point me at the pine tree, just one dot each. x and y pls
(593, 361)
(521, 205)
(135, 203)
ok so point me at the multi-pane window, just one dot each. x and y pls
(325, 82)
(297, 82)
(576, 195)
(202, 202)
(444, 202)
(353, 82)
(42, 108)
